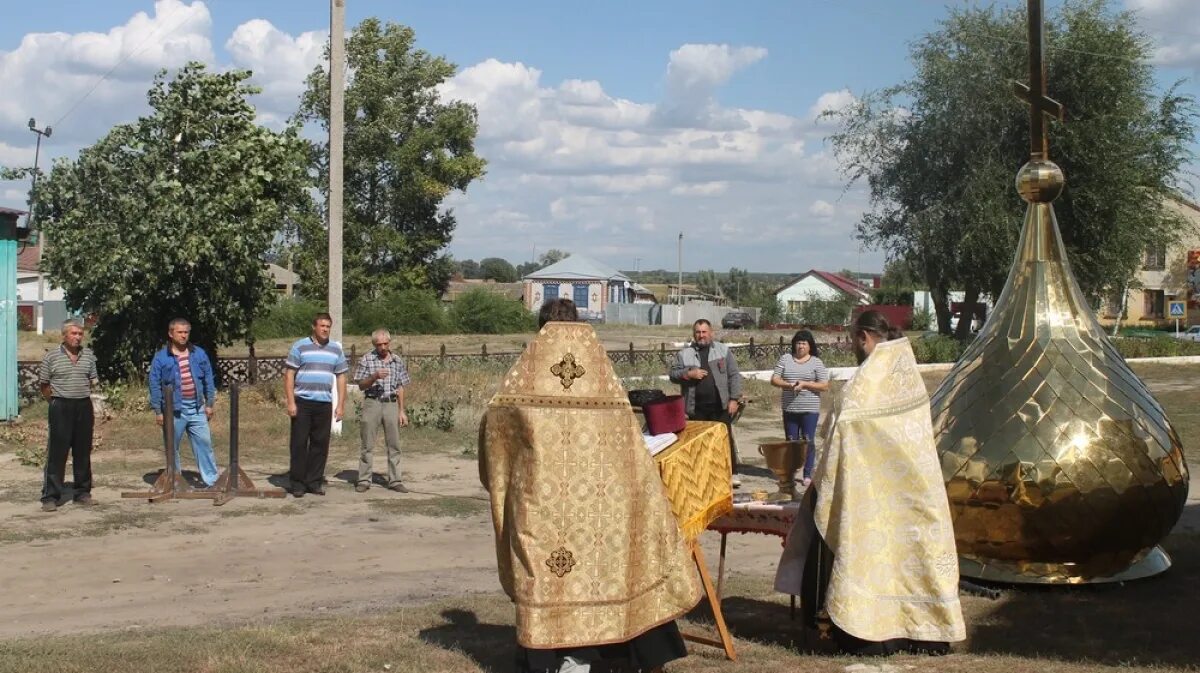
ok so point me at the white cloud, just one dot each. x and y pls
(280, 64)
(821, 209)
(570, 165)
(84, 83)
(1175, 27)
(833, 101)
(694, 73)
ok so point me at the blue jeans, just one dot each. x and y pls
(795, 423)
(193, 420)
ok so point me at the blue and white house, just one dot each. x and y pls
(590, 284)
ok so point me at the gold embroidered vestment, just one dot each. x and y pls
(586, 545)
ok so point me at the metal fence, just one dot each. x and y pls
(253, 369)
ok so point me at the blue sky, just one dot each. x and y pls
(572, 100)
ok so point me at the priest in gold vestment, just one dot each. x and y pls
(872, 552)
(586, 545)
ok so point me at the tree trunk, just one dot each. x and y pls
(1116, 330)
(941, 307)
(970, 298)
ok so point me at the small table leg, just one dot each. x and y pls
(792, 614)
(721, 569)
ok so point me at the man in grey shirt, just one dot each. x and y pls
(709, 381)
(66, 377)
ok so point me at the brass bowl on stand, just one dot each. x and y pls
(784, 458)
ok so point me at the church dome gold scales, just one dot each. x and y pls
(1060, 466)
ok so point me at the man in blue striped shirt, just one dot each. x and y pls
(314, 365)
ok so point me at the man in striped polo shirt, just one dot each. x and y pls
(66, 377)
(314, 365)
(188, 369)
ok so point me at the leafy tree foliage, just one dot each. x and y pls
(411, 311)
(552, 256)
(406, 150)
(171, 216)
(497, 269)
(479, 311)
(469, 268)
(939, 152)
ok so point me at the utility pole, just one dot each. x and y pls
(40, 318)
(679, 314)
(637, 267)
(337, 96)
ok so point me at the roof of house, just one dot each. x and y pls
(281, 276)
(577, 267)
(27, 257)
(514, 291)
(833, 280)
(12, 211)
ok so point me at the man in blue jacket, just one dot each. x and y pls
(187, 368)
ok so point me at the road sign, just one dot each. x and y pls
(1177, 309)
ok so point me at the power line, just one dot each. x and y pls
(141, 46)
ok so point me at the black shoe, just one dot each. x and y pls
(320, 490)
(49, 506)
(297, 492)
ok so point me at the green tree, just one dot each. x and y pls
(172, 215)
(499, 270)
(737, 285)
(708, 282)
(552, 256)
(469, 268)
(940, 151)
(479, 311)
(406, 150)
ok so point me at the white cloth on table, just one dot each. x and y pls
(656, 443)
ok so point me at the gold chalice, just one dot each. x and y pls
(784, 458)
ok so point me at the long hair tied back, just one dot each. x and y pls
(876, 323)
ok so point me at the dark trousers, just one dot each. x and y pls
(797, 423)
(719, 414)
(310, 443)
(71, 423)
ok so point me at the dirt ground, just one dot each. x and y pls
(126, 564)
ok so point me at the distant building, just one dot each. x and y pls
(29, 277)
(283, 280)
(456, 288)
(820, 286)
(590, 284)
(1167, 274)
(642, 295)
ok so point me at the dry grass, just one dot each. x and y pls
(462, 507)
(107, 523)
(1142, 626)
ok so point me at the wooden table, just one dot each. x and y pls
(764, 518)
(696, 473)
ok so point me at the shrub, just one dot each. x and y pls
(287, 318)
(1159, 346)
(939, 348)
(922, 320)
(404, 312)
(479, 311)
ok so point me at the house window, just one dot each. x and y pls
(1153, 303)
(550, 292)
(1113, 304)
(581, 295)
(1155, 258)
